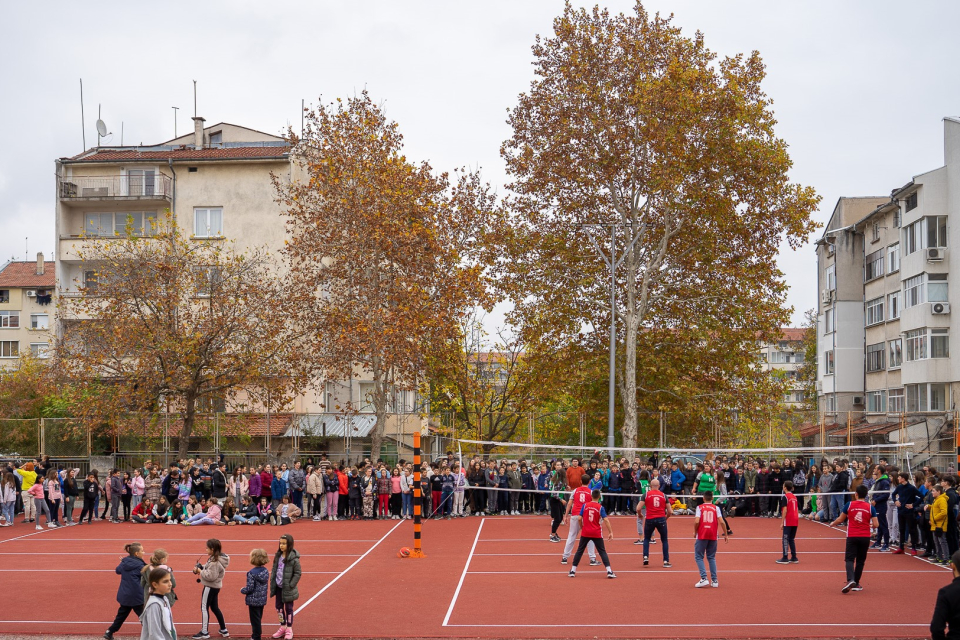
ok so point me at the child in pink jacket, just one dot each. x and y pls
(36, 492)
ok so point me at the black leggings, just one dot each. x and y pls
(556, 512)
(284, 611)
(121, 617)
(210, 601)
(88, 509)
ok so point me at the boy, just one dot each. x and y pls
(861, 517)
(791, 520)
(939, 513)
(594, 517)
(580, 498)
(707, 523)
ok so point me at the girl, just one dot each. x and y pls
(212, 515)
(193, 507)
(283, 584)
(143, 513)
(126, 496)
(162, 510)
(331, 488)
(229, 509)
(558, 502)
(238, 486)
(157, 619)
(459, 486)
(71, 491)
(130, 594)
(383, 494)
(27, 477)
(368, 486)
(355, 495)
(265, 511)
(211, 578)
(286, 512)
(158, 561)
(152, 486)
(137, 488)
(258, 580)
(278, 487)
(54, 495)
(8, 496)
(395, 493)
(40, 506)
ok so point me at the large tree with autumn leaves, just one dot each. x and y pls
(629, 122)
(381, 250)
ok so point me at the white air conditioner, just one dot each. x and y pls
(935, 255)
(939, 308)
(858, 400)
(826, 296)
(31, 293)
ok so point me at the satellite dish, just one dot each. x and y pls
(102, 128)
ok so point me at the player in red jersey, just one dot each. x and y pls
(860, 516)
(708, 522)
(791, 520)
(657, 509)
(579, 497)
(594, 518)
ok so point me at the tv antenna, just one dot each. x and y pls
(175, 121)
(101, 127)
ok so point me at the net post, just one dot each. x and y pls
(417, 551)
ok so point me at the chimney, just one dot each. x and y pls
(198, 132)
(40, 264)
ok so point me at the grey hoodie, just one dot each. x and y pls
(157, 620)
(212, 573)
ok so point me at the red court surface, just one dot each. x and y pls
(493, 577)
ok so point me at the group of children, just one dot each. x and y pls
(148, 589)
(200, 511)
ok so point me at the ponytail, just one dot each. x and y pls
(133, 548)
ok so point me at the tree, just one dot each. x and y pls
(381, 251)
(807, 372)
(168, 323)
(629, 123)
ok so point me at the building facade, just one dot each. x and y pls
(26, 310)
(784, 358)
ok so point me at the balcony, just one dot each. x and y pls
(144, 186)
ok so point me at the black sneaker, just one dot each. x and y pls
(611, 574)
(666, 565)
(201, 635)
(638, 541)
(653, 541)
(107, 635)
(224, 633)
(794, 560)
(594, 563)
(572, 574)
(857, 587)
(563, 561)
(783, 560)
(848, 587)
(646, 560)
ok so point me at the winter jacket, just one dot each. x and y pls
(240, 483)
(543, 482)
(36, 491)
(258, 580)
(212, 573)
(296, 480)
(27, 478)
(906, 494)
(676, 480)
(129, 593)
(218, 483)
(763, 482)
(880, 489)
(278, 487)
(514, 479)
(315, 484)
(53, 490)
(254, 484)
(839, 482)
(8, 493)
(331, 484)
(938, 513)
(266, 484)
(342, 483)
(145, 583)
(290, 578)
(248, 510)
(353, 486)
(156, 622)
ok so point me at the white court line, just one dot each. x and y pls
(117, 553)
(299, 541)
(564, 571)
(711, 624)
(732, 539)
(27, 535)
(456, 594)
(112, 571)
(672, 552)
(344, 572)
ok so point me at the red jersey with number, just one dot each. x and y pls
(791, 516)
(709, 526)
(656, 504)
(580, 497)
(859, 514)
(592, 514)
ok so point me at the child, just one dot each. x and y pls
(116, 492)
(286, 512)
(156, 621)
(596, 482)
(130, 594)
(40, 505)
(283, 584)
(790, 511)
(54, 495)
(258, 580)
(143, 514)
(265, 511)
(228, 511)
(211, 578)
(158, 561)
(355, 494)
(248, 512)
(212, 515)
(193, 507)
(939, 512)
(8, 496)
(383, 492)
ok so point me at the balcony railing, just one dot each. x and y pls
(147, 186)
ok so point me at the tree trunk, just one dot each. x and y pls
(631, 320)
(380, 409)
(189, 413)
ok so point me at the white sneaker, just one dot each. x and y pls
(703, 583)
(715, 584)
(39, 528)
(51, 525)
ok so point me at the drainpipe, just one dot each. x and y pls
(173, 204)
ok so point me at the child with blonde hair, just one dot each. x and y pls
(258, 579)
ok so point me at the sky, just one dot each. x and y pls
(859, 87)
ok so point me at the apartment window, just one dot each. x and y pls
(916, 397)
(216, 138)
(108, 225)
(929, 232)
(208, 279)
(893, 258)
(875, 357)
(895, 400)
(798, 396)
(832, 277)
(9, 349)
(40, 349)
(938, 397)
(366, 397)
(918, 341)
(874, 266)
(939, 343)
(913, 291)
(4, 296)
(916, 345)
(798, 357)
(912, 201)
(896, 353)
(876, 401)
(141, 182)
(830, 402)
(896, 218)
(828, 321)
(779, 357)
(936, 287)
(9, 319)
(207, 223)
(893, 305)
(936, 231)
(828, 359)
(874, 311)
(911, 238)
(39, 321)
(91, 281)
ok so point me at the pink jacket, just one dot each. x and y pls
(214, 512)
(53, 490)
(36, 491)
(137, 486)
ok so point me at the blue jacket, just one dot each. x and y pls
(256, 589)
(676, 480)
(883, 484)
(130, 591)
(613, 482)
(543, 482)
(907, 494)
(278, 488)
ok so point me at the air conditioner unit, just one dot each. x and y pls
(858, 400)
(826, 296)
(31, 293)
(935, 254)
(939, 308)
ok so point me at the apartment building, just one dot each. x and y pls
(26, 310)
(885, 321)
(785, 356)
(216, 183)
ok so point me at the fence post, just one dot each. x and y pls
(663, 428)
(42, 434)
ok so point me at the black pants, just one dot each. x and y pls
(789, 542)
(598, 542)
(256, 616)
(125, 502)
(855, 555)
(144, 520)
(658, 524)
(122, 614)
(556, 512)
(953, 540)
(210, 601)
(908, 524)
(88, 509)
(883, 530)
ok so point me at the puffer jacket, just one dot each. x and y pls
(315, 484)
(130, 593)
(212, 573)
(291, 576)
(296, 480)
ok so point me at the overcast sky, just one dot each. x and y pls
(859, 88)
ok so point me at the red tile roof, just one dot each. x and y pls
(791, 334)
(228, 153)
(232, 424)
(24, 274)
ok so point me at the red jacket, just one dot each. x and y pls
(265, 479)
(342, 477)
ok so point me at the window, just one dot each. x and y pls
(896, 218)
(895, 400)
(896, 353)
(832, 277)
(9, 319)
(141, 182)
(893, 305)
(91, 281)
(893, 258)
(830, 402)
(875, 357)
(106, 225)
(874, 265)
(916, 344)
(40, 349)
(828, 359)
(912, 201)
(208, 279)
(779, 357)
(39, 321)
(216, 138)
(916, 397)
(798, 396)
(798, 357)
(918, 341)
(876, 231)
(874, 311)
(913, 291)
(366, 397)
(9, 349)
(938, 397)
(828, 318)
(4, 296)
(876, 401)
(936, 231)
(936, 287)
(207, 223)
(929, 232)
(939, 343)
(910, 238)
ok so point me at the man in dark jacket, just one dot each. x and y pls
(947, 611)
(907, 500)
(218, 481)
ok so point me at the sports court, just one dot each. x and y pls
(487, 577)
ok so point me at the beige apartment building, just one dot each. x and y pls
(785, 356)
(26, 310)
(216, 182)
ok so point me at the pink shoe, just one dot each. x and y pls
(289, 635)
(281, 632)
